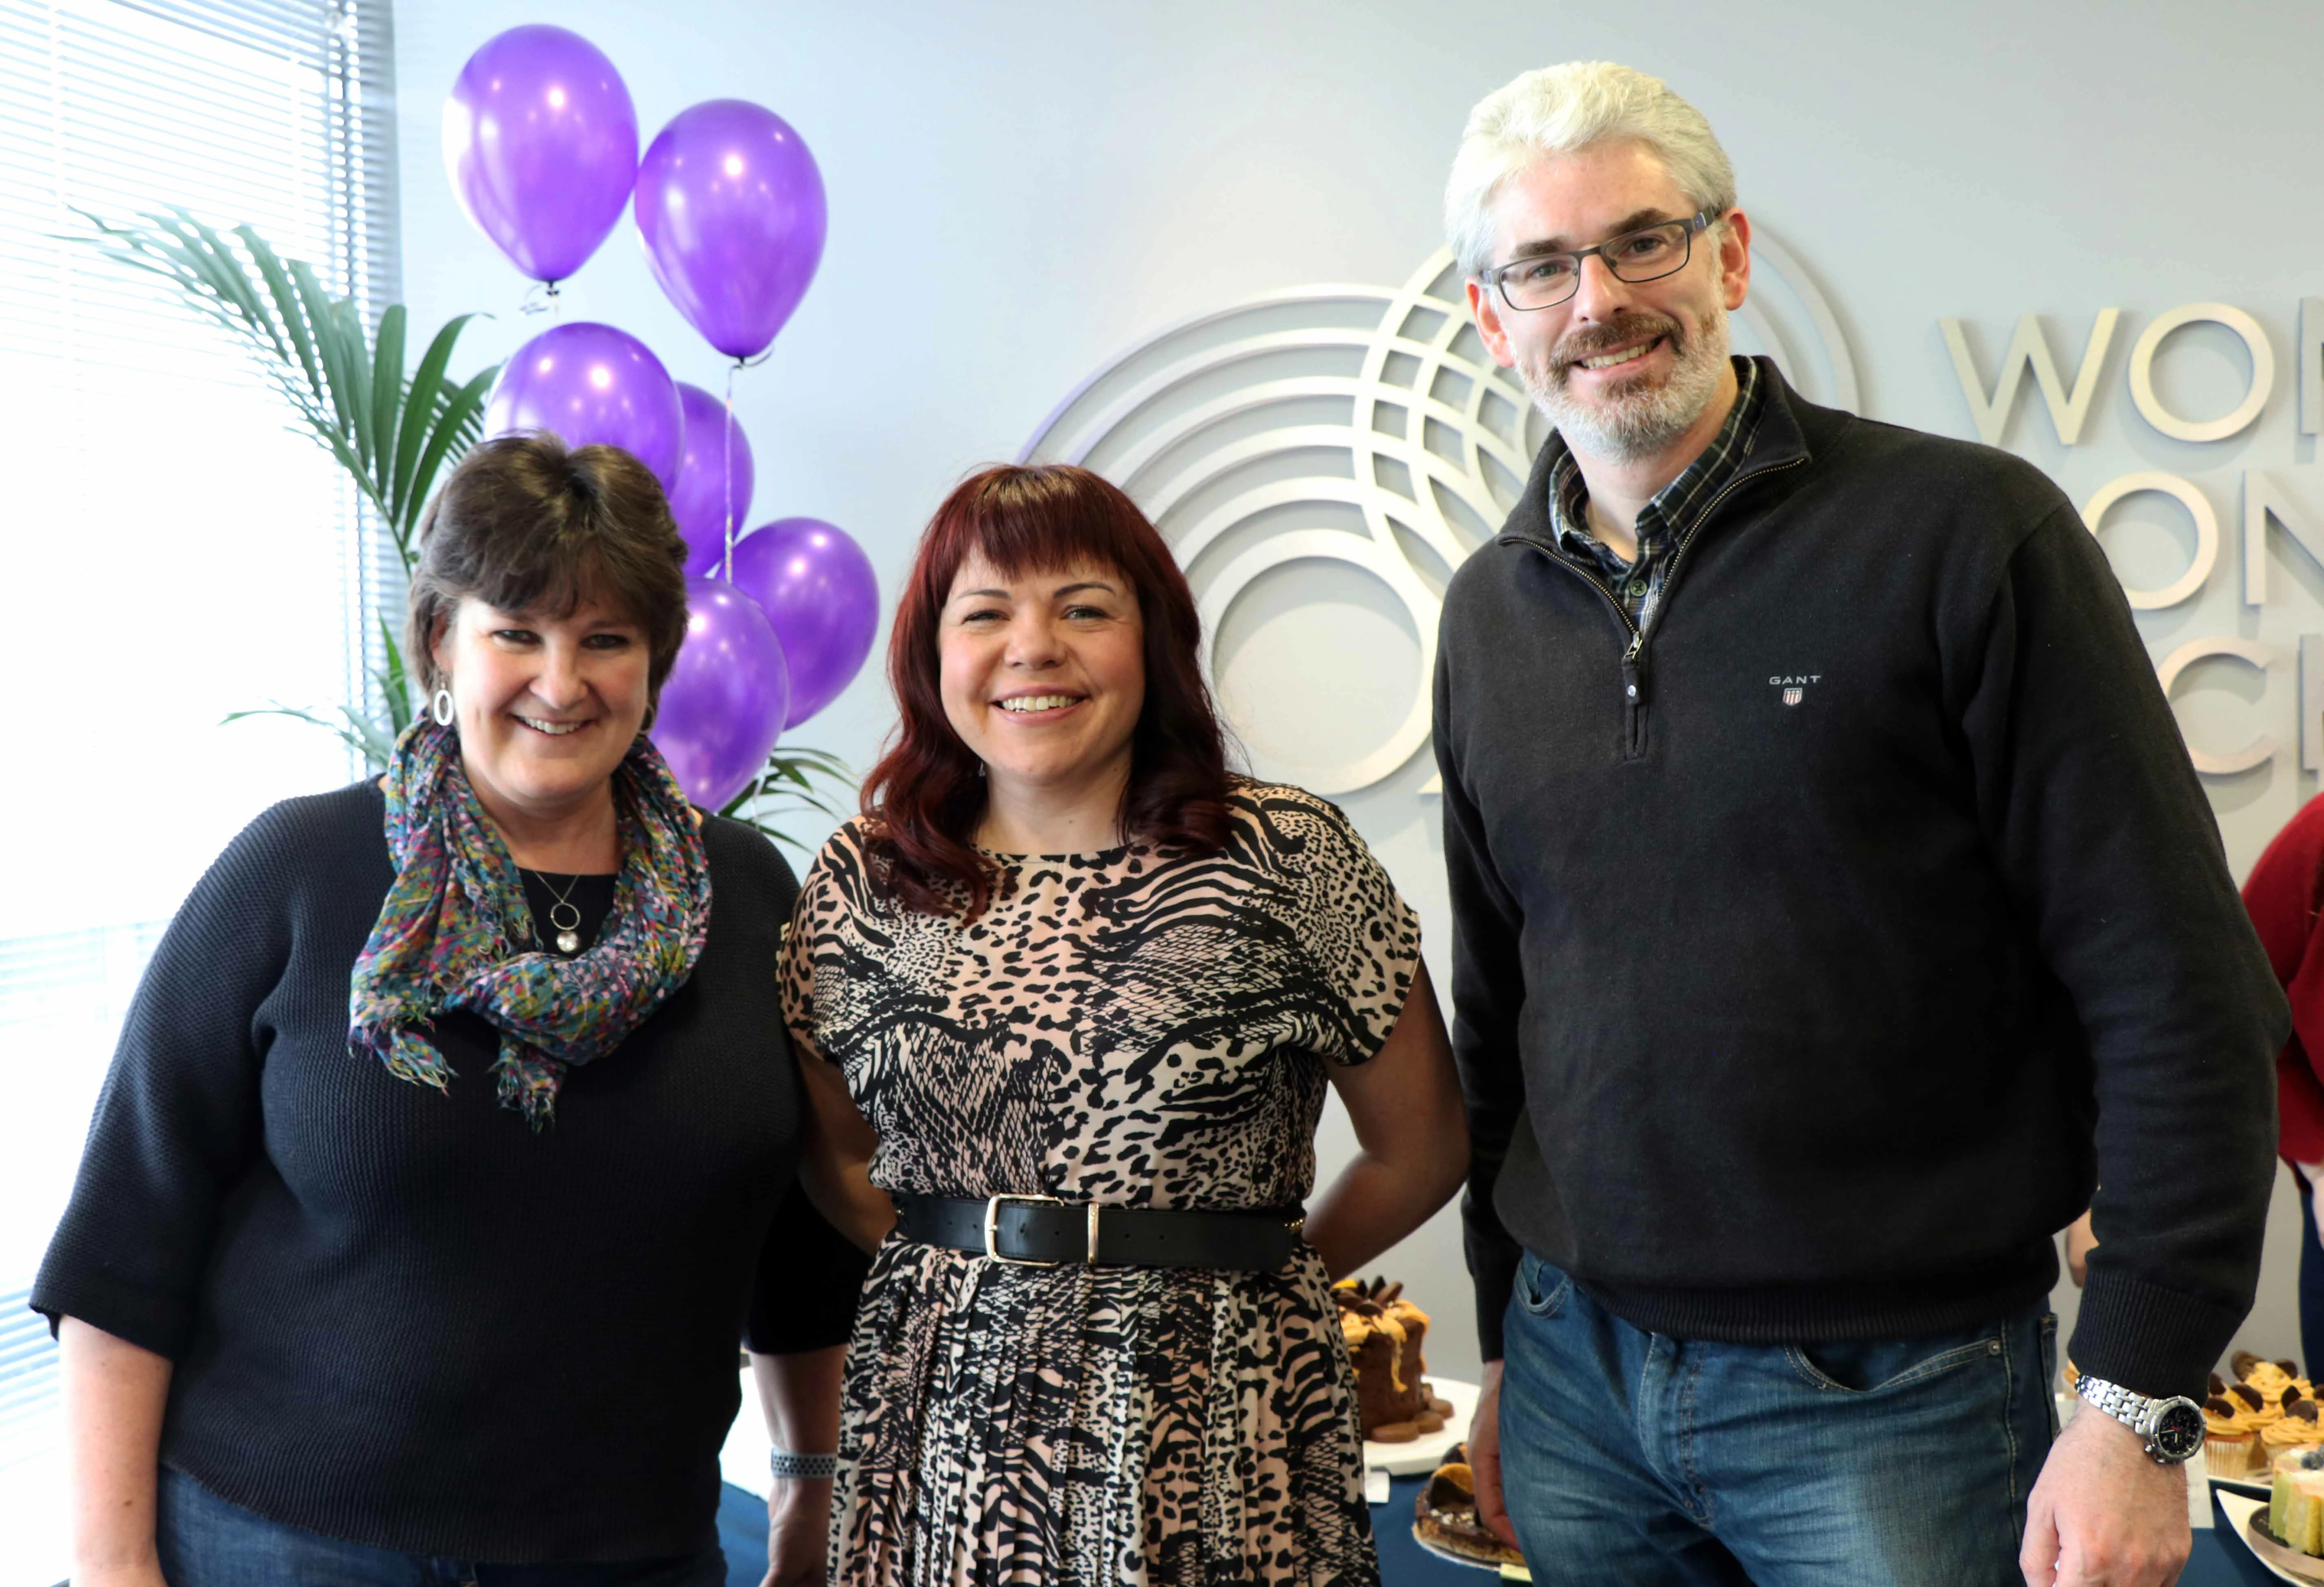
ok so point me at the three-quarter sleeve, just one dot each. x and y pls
(809, 1278)
(1356, 933)
(812, 922)
(177, 1124)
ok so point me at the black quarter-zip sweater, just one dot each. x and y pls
(1816, 955)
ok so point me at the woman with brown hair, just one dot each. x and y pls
(1067, 997)
(440, 1167)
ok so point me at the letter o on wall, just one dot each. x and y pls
(2261, 749)
(2142, 372)
(2199, 508)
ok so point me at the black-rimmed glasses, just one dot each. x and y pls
(1544, 280)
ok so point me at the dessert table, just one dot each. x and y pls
(2217, 1560)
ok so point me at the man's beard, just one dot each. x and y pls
(1637, 418)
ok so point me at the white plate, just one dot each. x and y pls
(2239, 1510)
(1424, 1454)
(1506, 1573)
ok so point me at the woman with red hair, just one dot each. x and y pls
(1068, 995)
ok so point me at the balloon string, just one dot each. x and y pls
(754, 363)
(726, 457)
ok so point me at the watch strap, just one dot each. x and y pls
(2134, 1410)
(2131, 1410)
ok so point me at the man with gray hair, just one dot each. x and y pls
(1835, 908)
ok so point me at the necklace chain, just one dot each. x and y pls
(564, 917)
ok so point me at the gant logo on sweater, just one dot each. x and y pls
(1795, 689)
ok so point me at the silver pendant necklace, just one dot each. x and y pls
(563, 917)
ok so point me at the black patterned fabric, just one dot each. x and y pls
(1132, 1029)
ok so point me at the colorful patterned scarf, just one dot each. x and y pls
(445, 938)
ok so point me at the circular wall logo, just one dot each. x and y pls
(1362, 426)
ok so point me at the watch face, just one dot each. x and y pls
(2178, 1429)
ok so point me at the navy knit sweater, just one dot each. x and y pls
(400, 1317)
(1816, 955)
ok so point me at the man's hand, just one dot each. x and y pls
(2080, 1241)
(799, 1533)
(1485, 1457)
(2105, 1513)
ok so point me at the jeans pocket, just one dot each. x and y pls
(2050, 1368)
(1542, 1289)
(1866, 1367)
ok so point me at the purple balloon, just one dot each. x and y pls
(591, 385)
(729, 206)
(723, 709)
(817, 588)
(698, 500)
(541, 143)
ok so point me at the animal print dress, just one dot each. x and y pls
(1140, 1031)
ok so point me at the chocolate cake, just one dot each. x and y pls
(1385, 1333)
(1444, 1516)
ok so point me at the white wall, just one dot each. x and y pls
(1018, 191)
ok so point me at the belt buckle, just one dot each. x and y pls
(992, 1215)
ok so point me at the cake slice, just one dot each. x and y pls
(1444, 1515)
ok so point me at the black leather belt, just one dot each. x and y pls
(1038, 1230)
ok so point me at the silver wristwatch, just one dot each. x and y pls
(2172, 1428)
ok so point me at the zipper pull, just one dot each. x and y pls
(1634, 672)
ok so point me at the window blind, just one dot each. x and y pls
(172, 551)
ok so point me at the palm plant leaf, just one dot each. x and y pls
(286, 306)
(395, 683)
(357, 731)
(458, 423)
(387, 399)
(340, 373)
(391, 434)
(800, 779)
(427, 384)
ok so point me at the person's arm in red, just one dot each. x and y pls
(2281, 895)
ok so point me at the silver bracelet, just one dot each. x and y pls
(812, 1467)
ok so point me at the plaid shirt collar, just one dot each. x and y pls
(1669, 514)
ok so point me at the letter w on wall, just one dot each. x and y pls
(2030, 347)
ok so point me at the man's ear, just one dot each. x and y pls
(1486, 311)
(1734, 234)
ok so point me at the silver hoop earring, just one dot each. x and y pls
(440, 707)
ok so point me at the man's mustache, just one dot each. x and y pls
(1616, 333)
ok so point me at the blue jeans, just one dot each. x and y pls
(1637, 1458)
(206, 1542)
(2311, 1277)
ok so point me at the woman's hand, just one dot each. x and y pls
(799, 1533)
(1412, 1135)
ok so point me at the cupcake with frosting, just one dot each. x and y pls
(2297, 1428)
(2260, 1407)
(2230, 1434)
